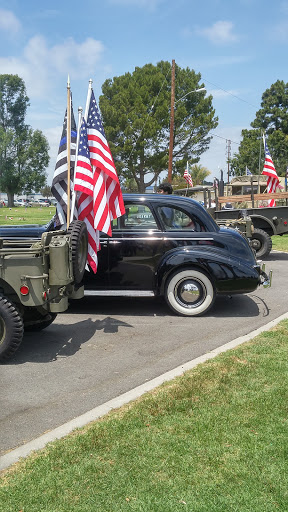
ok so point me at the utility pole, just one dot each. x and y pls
(228, 158)
(171, 122)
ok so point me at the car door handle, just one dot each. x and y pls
(104, 243)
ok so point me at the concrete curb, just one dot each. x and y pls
(40, 442)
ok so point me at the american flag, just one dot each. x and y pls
(187, 176)
(84, 183)
(270, 171)
(96, 177)
(59, 183)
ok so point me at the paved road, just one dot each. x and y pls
(104, 347)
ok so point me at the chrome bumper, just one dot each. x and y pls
(265, 280)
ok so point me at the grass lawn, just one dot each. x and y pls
(212, 440)
(20, 215)
(280, 243)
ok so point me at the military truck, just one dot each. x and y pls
(247, 197)
(36, 280)
(247, 209)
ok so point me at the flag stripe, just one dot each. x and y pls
(100, 197)
(270, 171)
(187, 176)
(60, 180)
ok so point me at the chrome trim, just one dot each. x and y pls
(119, 293)
(268, 282)
(165, 239)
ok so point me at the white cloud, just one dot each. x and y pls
(41, 66)
(221, 32)
(9, 22)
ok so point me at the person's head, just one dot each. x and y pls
(165, 188)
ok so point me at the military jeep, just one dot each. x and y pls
(36, 280)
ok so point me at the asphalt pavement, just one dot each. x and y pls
(105, 347)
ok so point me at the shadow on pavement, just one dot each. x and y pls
(59, 341)
(224, 306)
(128, 306)
(64, 340)
(239, 306)
(277, 256)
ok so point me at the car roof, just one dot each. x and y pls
(162, 198)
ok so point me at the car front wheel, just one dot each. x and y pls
(190, 293)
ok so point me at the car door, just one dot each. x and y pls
(135, 248)
(99, 280)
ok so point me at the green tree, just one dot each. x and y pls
(273, 114)
(199, 174)
(271, 118)
(136, 115)
(250, 150)
(46, 191)
(23, 152)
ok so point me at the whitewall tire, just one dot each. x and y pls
(189, 293)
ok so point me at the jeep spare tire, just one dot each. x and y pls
(79, 241)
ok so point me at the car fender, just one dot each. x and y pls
(220, 269)
(181, 258)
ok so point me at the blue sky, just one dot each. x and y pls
(240, 49)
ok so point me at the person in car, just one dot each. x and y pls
(165, 188)
(167, 213)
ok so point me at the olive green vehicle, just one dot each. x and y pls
(37, 279)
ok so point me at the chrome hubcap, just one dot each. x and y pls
(189, 293)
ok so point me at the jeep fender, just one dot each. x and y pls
(261, 222)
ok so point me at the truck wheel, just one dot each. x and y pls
(79, 240)
(34, 325)
(11, 329)
(190, 293)
(261, 242)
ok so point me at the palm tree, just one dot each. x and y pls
(199, 174)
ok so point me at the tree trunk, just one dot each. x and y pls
(10, 196)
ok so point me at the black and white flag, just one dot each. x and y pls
(59, 183)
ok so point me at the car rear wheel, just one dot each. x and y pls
(190, 293)
(11, 329)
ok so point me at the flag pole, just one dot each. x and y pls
(68, 135)
(187, 187)
(80, 110)
(88, 99)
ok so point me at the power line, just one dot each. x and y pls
(225, 138)
(231, 94)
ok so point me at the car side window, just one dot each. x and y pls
(176, 219)
(136, 217)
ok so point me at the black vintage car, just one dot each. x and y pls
(168, 246)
